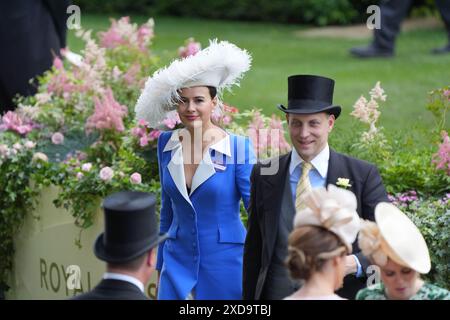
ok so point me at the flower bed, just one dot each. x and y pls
(79, 134)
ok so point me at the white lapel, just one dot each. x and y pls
(205, 168)
(176, 165)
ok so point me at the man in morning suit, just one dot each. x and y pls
(32, 33)
(127, 247)
(276, 194)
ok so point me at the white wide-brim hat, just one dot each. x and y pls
(396, 237)
(405, 242)
(333, 209)
(220, 65)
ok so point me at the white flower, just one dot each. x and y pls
(377, 92)
(80, 175)
(40, 156)
(86, 167)
(30, 144)
(42, 98)
(343, 182)
(4, 150)
(106, 174)
(17, 146)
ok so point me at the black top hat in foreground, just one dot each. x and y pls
(130, 227)
(309, 94)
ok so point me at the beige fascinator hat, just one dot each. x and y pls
(396, 237)
(333, 209)
(220, 65)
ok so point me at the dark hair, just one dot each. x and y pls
(306, 243)
(212, 91)
(132, 265)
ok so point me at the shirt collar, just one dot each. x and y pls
(124, 277)
(222, 146)
(320, 162)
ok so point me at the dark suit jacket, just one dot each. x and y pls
(31, 34)
(264, 212)
(109, 289)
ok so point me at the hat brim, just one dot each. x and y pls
(407, 248)
(102, 253)
(334, 110)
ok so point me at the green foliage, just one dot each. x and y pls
(439, 105)
(410, 169)
(17, 197)
(73, 140)
(432, 217)
(317, 12)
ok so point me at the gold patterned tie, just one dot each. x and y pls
(303, 186)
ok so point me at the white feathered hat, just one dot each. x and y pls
(221, 65)
(333, 209)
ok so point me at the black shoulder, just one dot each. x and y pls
(354, 162)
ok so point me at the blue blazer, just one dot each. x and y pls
(204, 249)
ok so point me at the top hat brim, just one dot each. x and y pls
(128, 254)
(334, 110)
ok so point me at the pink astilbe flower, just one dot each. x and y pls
(276, 127)
(442, 157)
(108, 114)
(144, 133)
(57, 63)
(122, 33)
(93, 67)
(360, 110)
(115, 35)
(367, 111)
(145, 34)
(14, 122)
(191, 48)
(60, 82)
(130, 75)
(257, 135)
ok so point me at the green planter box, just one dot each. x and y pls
(48, 264)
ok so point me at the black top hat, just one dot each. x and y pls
(310, 94)
(130, 227)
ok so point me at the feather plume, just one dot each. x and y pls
(221, 64)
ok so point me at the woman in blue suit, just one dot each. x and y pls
(204, 172)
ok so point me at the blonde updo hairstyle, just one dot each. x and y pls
(310, 247)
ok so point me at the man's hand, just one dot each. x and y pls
(350, 265)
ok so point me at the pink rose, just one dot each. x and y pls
(57, 138)
(135, 178)
(106, 174)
